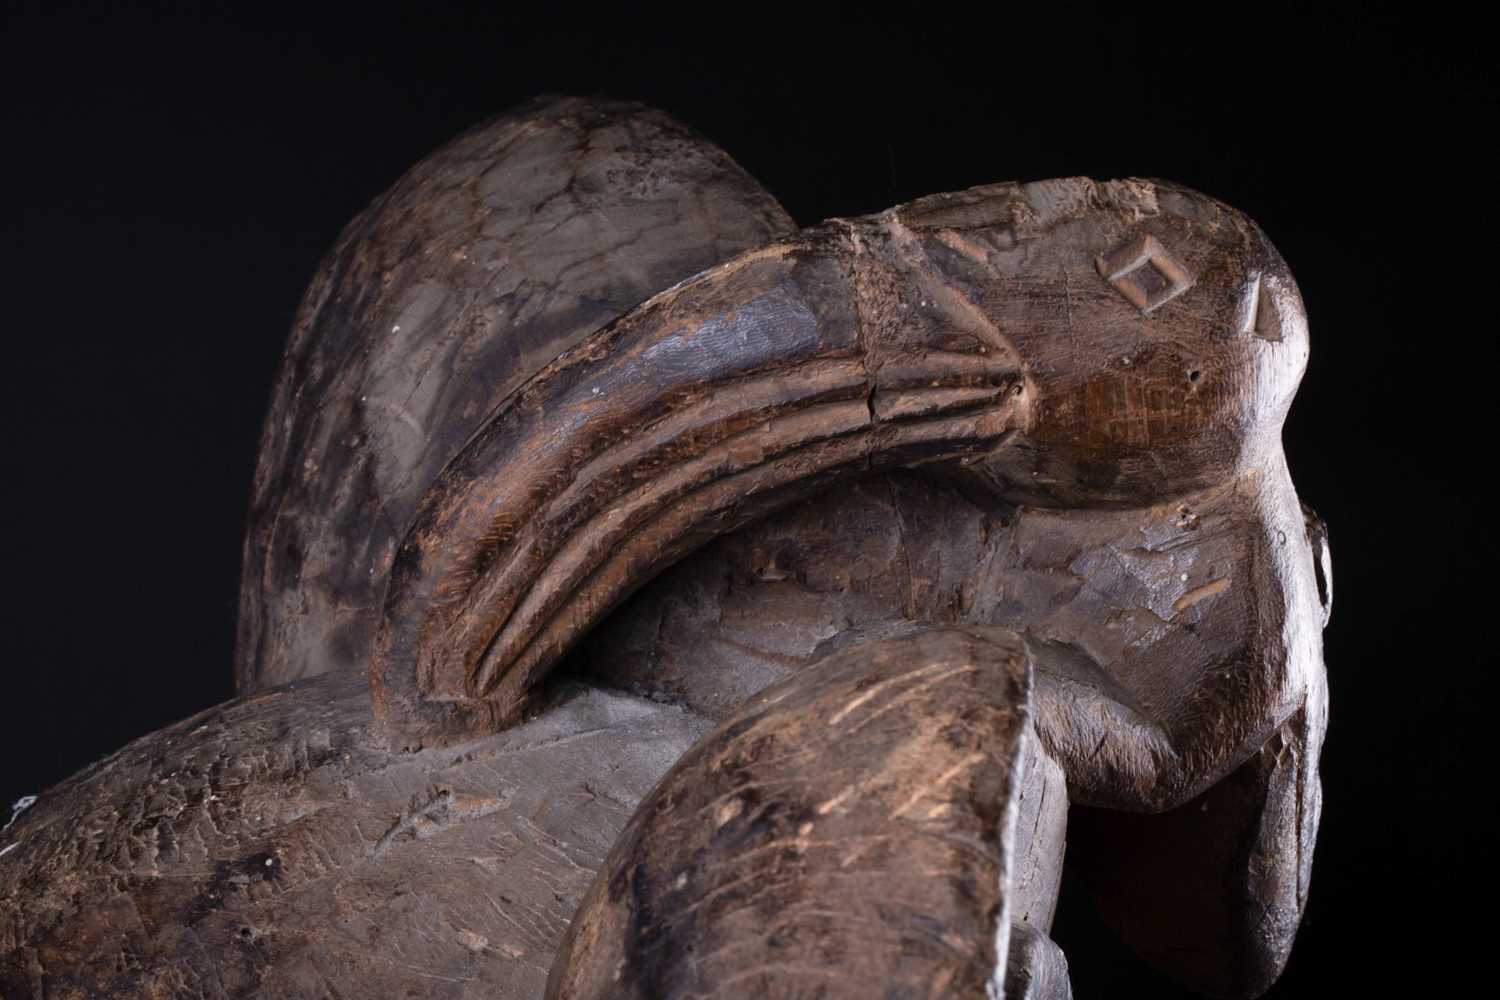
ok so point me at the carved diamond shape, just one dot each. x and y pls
(1143, 272)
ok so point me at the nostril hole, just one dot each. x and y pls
(1194, 376)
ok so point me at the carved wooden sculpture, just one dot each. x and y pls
(871, 546)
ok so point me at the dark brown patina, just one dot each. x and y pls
(680, 603)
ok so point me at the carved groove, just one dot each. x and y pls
(1145, 273)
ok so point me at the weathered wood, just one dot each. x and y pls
(846, 833)
(1037, 969)
(1130, 708)
(1028, 429)
(266, 848)
(489, 258)
(1147, 537)
(1160, 633)
(1211, 893)
(957, 334)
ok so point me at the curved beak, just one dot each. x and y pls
(931, 333)
(750, 386)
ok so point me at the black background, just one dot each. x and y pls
(171, 177)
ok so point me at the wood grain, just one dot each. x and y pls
(967, 523)
(267, 848)
(489, 258)
(847, 833)
(943, 335)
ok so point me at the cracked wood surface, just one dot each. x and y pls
(267, 848)
(1130, 675)
(846, 833)
(944, 335)
(489, 258)
(1125, 676)
(1046, 412)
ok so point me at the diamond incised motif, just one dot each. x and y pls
(1143, 272)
